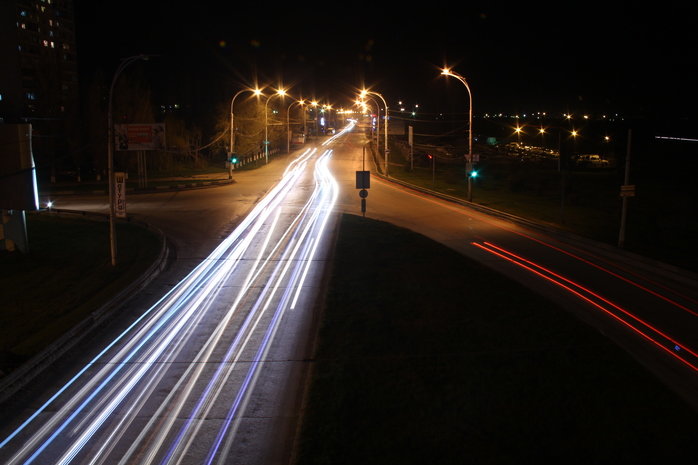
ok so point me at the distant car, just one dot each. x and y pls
(330, 130)
(591, 161)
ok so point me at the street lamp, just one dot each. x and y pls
(448, 72)
(300, 102)
(366, 92)
(110, 151)
(378, 119)
(282, 93)
(314, 104)
(255, 91)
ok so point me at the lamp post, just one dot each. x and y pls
(378, 119)
(282, 93)
(314, 104)
(364, 93)
(448, 72)
(300, 102)
(110, 151)
(255, 91)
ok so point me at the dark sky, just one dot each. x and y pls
(592, 58)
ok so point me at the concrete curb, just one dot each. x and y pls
(20, 377)
(173, 187)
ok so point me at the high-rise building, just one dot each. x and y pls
(38, 72)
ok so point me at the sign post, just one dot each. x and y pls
(626, 190)
(410, 140)
(363, 182)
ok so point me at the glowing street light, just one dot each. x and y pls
(281, 93)
(257, 92)
(378, 116)
(448, 72)
(366, 92)
(300, 102)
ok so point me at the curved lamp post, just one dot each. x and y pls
(300, 102)
(231, 149)
(110, 151)
(282, 93)
(257, 92)
(364, 93)
(448, 72)
(378, 119)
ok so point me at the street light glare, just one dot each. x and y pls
(446, 72)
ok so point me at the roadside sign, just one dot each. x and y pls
(627, 190)
(363, 179)
(120, 194)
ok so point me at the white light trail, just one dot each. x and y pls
(190, 344)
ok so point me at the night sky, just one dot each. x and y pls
(593, 59)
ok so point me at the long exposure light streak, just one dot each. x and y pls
(647, 331)
(194, 357)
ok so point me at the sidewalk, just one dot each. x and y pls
(132, 186)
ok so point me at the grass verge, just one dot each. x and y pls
(63, 278)
(427, 357)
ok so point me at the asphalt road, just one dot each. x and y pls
(206, 364)
(649, 312)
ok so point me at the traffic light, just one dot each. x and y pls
(473, 174)
(233, 159)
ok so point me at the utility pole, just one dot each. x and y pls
(626, 191)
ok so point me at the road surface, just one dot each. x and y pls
(200, 377)
(650, 311)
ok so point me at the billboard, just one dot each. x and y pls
(140, 136)
(18, 188)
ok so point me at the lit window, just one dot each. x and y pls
(23, 13)
(53, 45)
(45, 42)
(23, 26)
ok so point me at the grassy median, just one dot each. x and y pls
(427, 357)
(64, 277)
